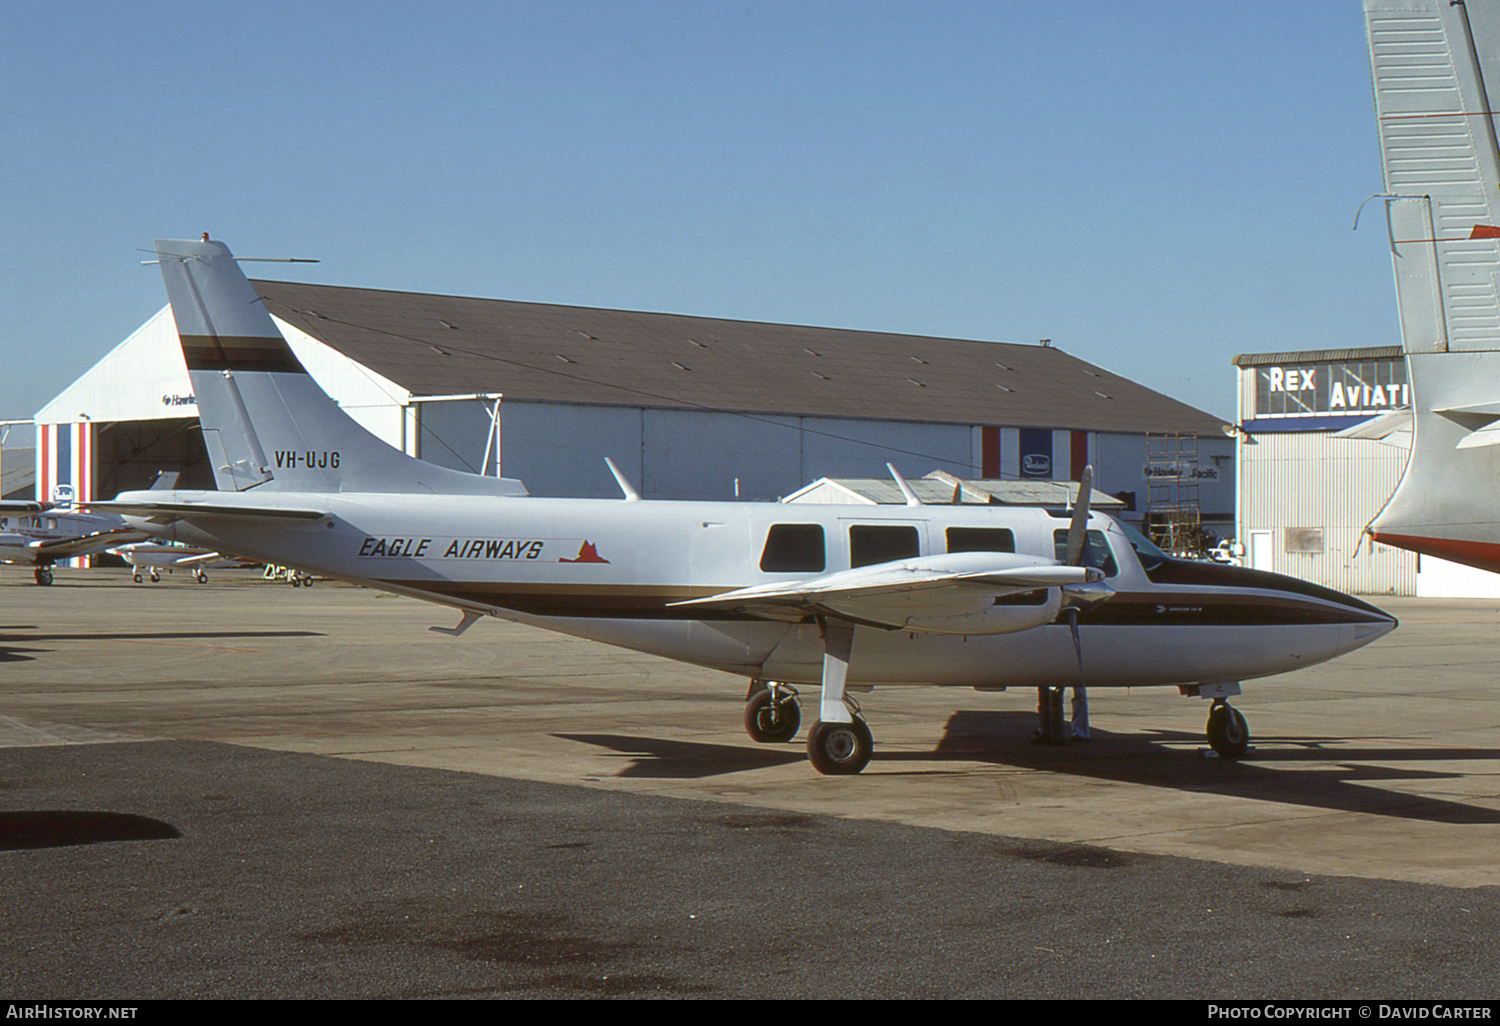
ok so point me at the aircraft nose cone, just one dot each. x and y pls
(1359, 634)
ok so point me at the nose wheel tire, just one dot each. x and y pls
(1228, 733)
(839, 749)
(768, 720)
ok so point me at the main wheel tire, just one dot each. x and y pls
(1228, 733)
(771, 722)
(839, 749)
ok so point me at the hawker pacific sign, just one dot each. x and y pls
(1331, 388)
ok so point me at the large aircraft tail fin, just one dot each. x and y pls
(1428, 64)
(266, 423)
(1433, 66)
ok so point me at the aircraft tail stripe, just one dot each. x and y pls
(239, 353)
(1484, 555)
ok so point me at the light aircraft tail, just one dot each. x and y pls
(1432, 65)
(266, 424)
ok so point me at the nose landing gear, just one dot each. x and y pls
(1228, 733)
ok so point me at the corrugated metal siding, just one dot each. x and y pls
(1313, 480)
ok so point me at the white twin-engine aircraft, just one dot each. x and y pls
(845, 597)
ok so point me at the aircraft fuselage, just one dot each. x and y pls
(612, 570)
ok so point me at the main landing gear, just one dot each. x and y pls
(43, 575)
(772, 712)
(839, 741)
(839, 749)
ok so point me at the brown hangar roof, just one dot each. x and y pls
(446, 345)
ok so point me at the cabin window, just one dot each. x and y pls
(794, 548)
(881, 543)
(981, 539)
(1096, 550)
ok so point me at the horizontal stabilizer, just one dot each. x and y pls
(1491, 410)
(1393, 428)
(168, 511)
(1481, 419)
(1488, 435)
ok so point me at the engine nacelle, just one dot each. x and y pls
(964, 614)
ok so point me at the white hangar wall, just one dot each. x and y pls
(559, 450)
(1305, 498)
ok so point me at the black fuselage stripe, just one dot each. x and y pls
(1124, 609)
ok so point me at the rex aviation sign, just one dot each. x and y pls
(1331, 388)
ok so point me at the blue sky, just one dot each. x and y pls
(1154, 187)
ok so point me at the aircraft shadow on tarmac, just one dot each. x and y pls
(61, 828)
(654, 757)
(12, 653)
(1341, 778)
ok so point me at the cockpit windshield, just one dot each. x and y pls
(1096, 551)
(1150, 556)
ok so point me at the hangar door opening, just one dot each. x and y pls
(129, 454)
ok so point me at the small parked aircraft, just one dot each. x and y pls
(150, 558)
(843, 597)
(41, 533)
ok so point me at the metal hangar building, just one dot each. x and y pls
(687, 407)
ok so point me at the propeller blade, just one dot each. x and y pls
(1078, 529)
(1072, 614)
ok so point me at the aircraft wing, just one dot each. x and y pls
(66, 548)
(902, 592)
(21, 549)
(22, 506)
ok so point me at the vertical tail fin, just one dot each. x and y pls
(1441, 167)
(1433, 65)
(266, 423)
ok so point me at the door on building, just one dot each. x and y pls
(1261, 555)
